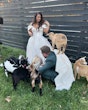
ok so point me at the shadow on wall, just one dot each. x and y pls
(1, 20)
(0, 42)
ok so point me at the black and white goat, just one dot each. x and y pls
(17, 68)
(21, 73)
(11, 64)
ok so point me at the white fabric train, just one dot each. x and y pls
(65, 78)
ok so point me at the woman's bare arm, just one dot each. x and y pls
(30, 30)
(46, 30)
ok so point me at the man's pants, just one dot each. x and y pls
(49, 74)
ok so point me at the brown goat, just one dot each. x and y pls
(35, 76)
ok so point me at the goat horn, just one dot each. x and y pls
(84, 57)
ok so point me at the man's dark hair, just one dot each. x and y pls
(45, 49)
(41, 21)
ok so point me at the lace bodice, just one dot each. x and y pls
(37, 32)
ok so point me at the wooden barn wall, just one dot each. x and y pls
(67, 16)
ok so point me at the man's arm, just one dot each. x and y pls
(46, 66)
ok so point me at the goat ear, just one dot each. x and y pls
(84, 57)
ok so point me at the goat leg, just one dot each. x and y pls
(53, 45)
(40, 91)
(33, 85)
(14, 85)
(40, 86)
(87, 78)
(75, 74)
(78, 76)
(33, 89)
(15, 81)
(6, 73)
(63, 48)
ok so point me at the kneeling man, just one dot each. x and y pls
(48, 69)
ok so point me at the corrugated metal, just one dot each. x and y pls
(67, 16)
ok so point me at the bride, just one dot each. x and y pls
(37, 40)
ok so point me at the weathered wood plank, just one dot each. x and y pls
(66, 16)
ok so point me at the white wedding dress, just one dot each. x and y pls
(35, 42)
(65, 78)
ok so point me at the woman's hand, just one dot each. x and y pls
(30, 32)
(47, 23)
(46, 30)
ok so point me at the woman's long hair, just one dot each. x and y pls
(41, 21)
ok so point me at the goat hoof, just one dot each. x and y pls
(33, 89)
(14, 88)
(40, 92)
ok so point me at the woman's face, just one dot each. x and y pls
(38, 18)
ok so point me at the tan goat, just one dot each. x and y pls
(81, 68)
(60, 40)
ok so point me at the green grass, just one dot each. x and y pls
(23, 99)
